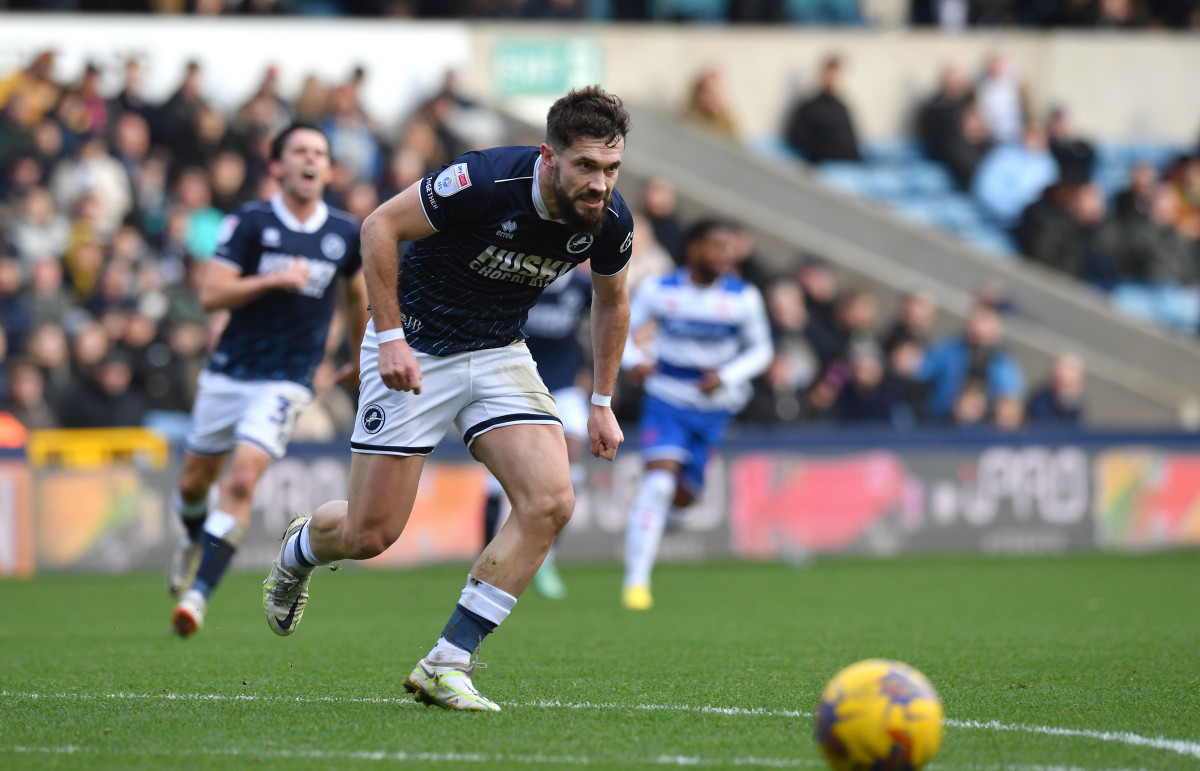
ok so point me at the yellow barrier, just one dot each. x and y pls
(84, 448)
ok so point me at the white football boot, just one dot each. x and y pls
(285, 591)
(189, 613)
(449, 687)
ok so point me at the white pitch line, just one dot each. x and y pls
(393, 756)
(558, 761)
(1178, 746)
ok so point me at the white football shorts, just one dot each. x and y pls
(475, 391)
(258, 412)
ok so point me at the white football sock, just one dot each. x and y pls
(645, 527)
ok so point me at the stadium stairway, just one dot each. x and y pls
(1140, 375)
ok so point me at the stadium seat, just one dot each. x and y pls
(848, 177)
(1136, 301)
(1179, 307)
(694, 10)
(894, 151)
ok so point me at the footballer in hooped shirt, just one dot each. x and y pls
(444, 349)
(277, 271)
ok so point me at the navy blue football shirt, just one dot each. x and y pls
(280, 335)
(470, 285)
(551, 329)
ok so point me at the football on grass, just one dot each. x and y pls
(879, 714)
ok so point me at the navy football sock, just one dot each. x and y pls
(217, 554)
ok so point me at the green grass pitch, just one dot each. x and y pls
(1067, 664)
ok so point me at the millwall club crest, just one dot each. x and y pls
(270, 237)
(333, 246)
(373, 418)
(579, 242)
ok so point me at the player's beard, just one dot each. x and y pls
(590, 221)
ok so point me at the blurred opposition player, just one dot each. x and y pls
(552, 340)
(712, 339)
(274, 271)
(490, 232)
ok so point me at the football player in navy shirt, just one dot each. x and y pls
(277, 269)
(444, 348)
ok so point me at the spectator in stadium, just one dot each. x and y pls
(1051, 210)
(1075, 156)
(661, 207)
(1059, 400)
(102, 397)
(779, 391)
(1012, 176)
(914, 322)
(866, 397)
(820, 127)
(201, 221)
(1152, 248)
(713, 338)
(92, 171)
(975, 357)
(1087, 244)
(903, 363)
(708, 105)
(353, 139)
(130, 99)
(94, 109)
(25, 399)
(16, 317)
(47, 298)
(942, 125)
(1134, 201)
(820, 289)
(276, 271)
(40, 230)
(49, 351)
(1002, 99)
(424, 341)
(178, 117)
(35, 86)
(648, 258)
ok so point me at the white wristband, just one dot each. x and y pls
(388, 335)
(602, 400)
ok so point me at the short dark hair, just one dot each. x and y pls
(281, 138)
(701, 229)
(586, 112)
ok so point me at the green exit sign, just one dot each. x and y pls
(528, 68)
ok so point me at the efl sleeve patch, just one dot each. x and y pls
(452, 179)
(228, 225)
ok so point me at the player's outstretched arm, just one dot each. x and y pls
(225, 288)
(610, 327)
(400, 218)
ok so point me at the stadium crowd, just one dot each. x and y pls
(110, 207)
(948, 14)
(1032, 176)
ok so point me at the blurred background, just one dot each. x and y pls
(906, 176)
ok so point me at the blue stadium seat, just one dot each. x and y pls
(771, 146)
(849, 177)
(927, 177)
(1136, 301)
(695, 10)
(893, 151)
(1179, 307)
